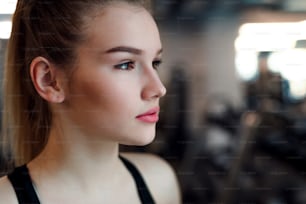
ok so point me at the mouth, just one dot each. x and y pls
(150, 116)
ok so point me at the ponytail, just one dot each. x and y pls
(26, 116)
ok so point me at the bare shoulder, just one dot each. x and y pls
(7, 193)
(159, 176)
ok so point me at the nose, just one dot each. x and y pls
(153, 87)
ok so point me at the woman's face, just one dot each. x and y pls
(115, 83)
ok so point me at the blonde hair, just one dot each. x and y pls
(51, 29)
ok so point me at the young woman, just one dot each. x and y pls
(80, 79)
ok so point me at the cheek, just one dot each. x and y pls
(92, 105)
(107, 95)
(93, 94)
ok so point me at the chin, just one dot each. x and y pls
(141, 140)
(145, 142)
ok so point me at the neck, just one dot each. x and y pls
(70, 155)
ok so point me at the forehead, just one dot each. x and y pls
(122, 24)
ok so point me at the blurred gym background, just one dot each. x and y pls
(233, 122)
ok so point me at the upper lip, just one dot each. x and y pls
(149, 112)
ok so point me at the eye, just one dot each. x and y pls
(126, 65)
(156, 64)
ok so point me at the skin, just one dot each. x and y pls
(96, 109)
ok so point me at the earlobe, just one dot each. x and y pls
(46, 80)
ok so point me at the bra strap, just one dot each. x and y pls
(143, 191)
(22, 184)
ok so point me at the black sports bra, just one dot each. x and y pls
(22, 184)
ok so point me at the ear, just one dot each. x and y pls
(47, 80)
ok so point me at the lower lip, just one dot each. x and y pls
(152, 118)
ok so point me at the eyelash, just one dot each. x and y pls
(131, 65)
(127, 65)
(156, 64)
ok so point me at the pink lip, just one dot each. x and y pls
(151, 116)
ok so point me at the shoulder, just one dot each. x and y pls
(7, 193)
(159, 176)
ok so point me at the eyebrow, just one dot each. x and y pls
(132, 50)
